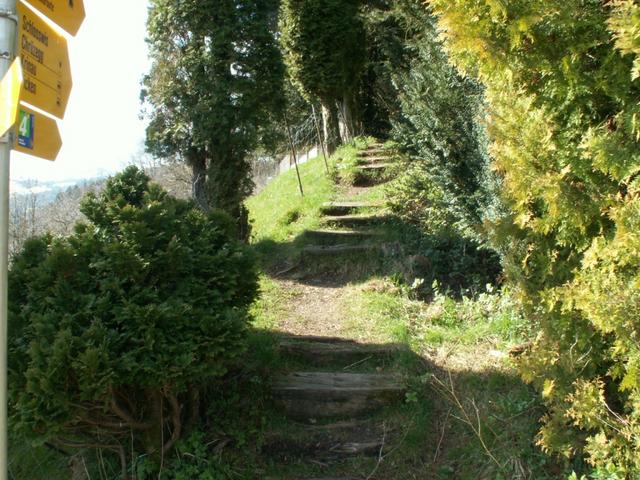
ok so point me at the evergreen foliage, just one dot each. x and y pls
(437, 119)
(562, 87)
(114, 329)
(214, 91)
(323, 44)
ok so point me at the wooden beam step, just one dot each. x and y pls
(320, 250)
(333, 353)
(332, 441)
(375, 160)
(374, 167)
(355, 220)
(311, 395)
(344, 208)
(373, 152)
(340, 235)
(317, 338)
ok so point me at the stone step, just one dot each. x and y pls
(312, 395)
(322, 250)
(340, 235)
(355, 220)
(346, 354)
(328, 442)
(344, 208)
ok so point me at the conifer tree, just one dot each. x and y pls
(437, 118)
(214, 87)
(116, 329)
(323, 43)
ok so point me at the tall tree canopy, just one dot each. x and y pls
(214, 89)
(323, 43)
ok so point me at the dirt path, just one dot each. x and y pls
(336, 399)
(314, 310)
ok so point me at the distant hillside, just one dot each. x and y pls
(38, 207)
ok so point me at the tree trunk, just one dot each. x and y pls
(198, 165)
(350, 114)
(153, 438)
(331, 125)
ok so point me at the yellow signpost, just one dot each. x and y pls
(37, 134)
(9, 96)
(68, 14)
(45, 64)
(40, 76)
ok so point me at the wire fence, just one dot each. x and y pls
(303, 145)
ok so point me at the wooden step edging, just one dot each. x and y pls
(341, 235)
(319, 250)
(343, 208)
(348, 354)
(374, 167)
(355, 220)
(374, 160)
(375, 151)
(329, 394)
(330, 441)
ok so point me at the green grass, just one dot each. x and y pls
(279, 213)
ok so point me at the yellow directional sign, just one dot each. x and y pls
(45, 64)
(9, 96)
(37, 134)
(68, 14)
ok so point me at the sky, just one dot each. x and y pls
(101, 131)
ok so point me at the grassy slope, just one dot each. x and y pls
(279, 211)
(483, 419)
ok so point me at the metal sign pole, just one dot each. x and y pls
(8, 23)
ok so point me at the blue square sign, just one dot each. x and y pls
(26, 128)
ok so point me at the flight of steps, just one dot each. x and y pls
(373, 165)
(348, 230)
(333, 396)
(333, 410)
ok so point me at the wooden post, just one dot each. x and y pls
(293, 152)
(320, 139)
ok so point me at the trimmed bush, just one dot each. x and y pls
(114, 329)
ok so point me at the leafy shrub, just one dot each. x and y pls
(562, 85)
(114, 329)
(416, 199)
